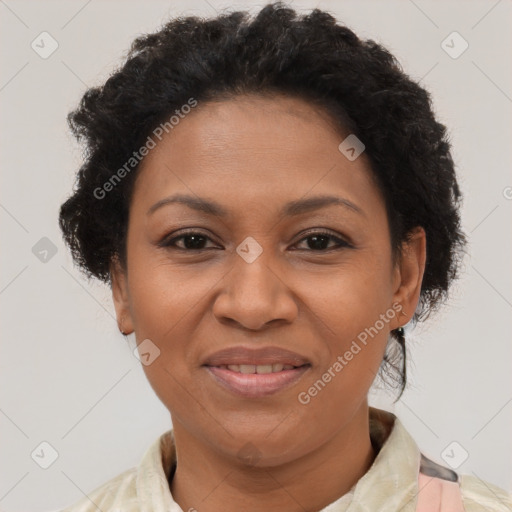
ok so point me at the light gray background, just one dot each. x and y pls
(67, 375)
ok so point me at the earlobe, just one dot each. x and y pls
(411, 268)
(120, 295)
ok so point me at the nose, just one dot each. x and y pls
(255, 294)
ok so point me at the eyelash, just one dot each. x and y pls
(171, 243)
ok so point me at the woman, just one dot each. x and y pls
(271, 200)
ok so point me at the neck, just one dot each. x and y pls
(207, 481)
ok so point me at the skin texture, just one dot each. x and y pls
(252, 154)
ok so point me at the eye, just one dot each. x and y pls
(318, 241)
(191, 241)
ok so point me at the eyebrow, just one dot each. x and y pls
(290, 209)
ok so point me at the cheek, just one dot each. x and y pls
(162, 294)
(353, 305)
(165, 304)
(349, 297)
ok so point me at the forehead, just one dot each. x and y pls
(253, 149)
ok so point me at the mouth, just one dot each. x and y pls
(254, 373)
(256, 385)
(260, 369)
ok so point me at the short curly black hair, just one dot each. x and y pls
(277, 50)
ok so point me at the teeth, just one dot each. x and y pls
(260, 369)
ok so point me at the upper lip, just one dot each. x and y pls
(259, 356)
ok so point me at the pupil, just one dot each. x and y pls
(318, 242)
(194, 241)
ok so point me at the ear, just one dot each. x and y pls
(409, 272)
(120, 294)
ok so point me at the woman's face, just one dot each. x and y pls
(294, 259)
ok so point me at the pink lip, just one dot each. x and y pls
(254, 385)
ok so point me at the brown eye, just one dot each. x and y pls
(193, 241)
(320, 240)
(190, 241)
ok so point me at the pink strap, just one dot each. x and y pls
(438, 495)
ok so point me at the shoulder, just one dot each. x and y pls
(116, 495)
(478, 495)
(144, 487)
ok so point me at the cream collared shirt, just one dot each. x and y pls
(391, 483)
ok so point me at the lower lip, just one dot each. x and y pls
(254, 385)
